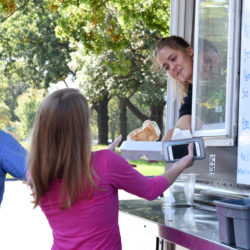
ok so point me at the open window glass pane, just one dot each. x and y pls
(212, 65)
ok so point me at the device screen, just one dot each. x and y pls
(181, 150)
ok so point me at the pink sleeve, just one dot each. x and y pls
(123, 176)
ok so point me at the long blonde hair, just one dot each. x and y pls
(61, 147)
(174, 42)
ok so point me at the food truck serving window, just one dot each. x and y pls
(216, 63)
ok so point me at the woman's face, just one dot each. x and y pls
(178, 63)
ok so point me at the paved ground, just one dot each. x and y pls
(21, 226)
(25, 228)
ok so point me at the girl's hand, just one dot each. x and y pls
(115, 143)
(179, 166)
(187, 160)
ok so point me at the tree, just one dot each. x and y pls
(4, 116)
(31, 54)
(113, 110)
(30, 48)
(26, 109)
(101, 108)
(111, 25)
(119, 32)
(9, 7)
(101, 25)
(93, 79)
(11, 88)
(99, 79)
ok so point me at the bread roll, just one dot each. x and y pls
(148, 132)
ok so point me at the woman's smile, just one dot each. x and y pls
(177, 62)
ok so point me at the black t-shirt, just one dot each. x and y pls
(186, 107)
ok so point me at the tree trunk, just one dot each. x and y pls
(102, 112)
(123, 118)
(157, 115)
(136, 111)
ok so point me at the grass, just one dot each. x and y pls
(144, 167)
(149, 169)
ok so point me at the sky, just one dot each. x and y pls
(60, 85)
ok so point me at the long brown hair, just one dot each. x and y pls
(61, 147)
(174, 42)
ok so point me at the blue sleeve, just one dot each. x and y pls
(13, 156)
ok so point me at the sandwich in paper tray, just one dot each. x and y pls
(142, 143)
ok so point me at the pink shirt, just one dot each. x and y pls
(93, 224)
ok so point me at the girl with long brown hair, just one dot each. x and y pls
(78, 189)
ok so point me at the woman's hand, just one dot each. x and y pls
(184, 123)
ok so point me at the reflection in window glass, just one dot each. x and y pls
(212, 65)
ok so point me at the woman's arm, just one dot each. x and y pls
(183, 123)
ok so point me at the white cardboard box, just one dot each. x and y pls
(134, 150)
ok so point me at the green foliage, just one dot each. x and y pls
(26, 110)
(102, 75)
(4, 115)
(117, 75)
(110, 43)
(30, 48)
(133, 122)
(30, 55)
(11, 88)
(92, 75)
(7, 7)
(113, 118)
(101, 25)
(94, 125)
(114, 30)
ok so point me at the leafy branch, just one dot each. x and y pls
(12, 13)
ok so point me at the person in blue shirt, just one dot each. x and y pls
(12, 160)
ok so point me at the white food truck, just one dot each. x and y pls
(221, 116)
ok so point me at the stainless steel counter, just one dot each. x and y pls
(189, 227)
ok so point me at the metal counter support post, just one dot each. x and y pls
(162, 244)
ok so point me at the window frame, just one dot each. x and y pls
(181, 24)
(226, 136)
